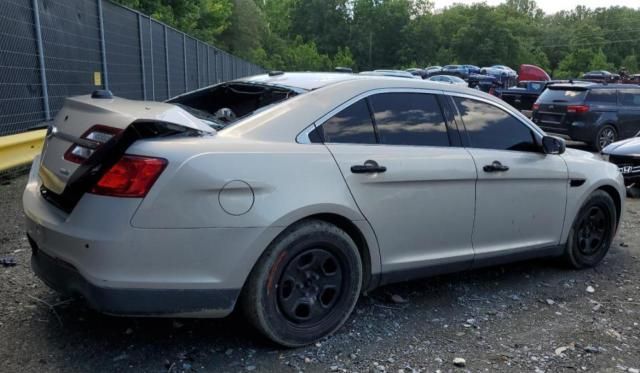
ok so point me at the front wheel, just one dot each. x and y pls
(305, 285)
(592, 231)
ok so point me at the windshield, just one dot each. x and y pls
(562, 95)
(224, 104)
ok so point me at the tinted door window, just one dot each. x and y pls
(602, 96)
(409, 119)
(351, 125)
(629, 97)
(489, 127)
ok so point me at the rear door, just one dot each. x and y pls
(628, 112)
(409, 177)
(521, 192)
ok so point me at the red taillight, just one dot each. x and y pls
(535, 106)
(96, 135)
(132, 176)
(577, 108)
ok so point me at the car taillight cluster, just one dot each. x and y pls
(535, 106)
(132, 176)
(93, 138)
(577, 109)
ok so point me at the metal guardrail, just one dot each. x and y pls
(20, 149)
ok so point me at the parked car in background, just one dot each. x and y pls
(600, 76)
(472, 69)
(456, 70)
(448, 79)
(287, 195)
(505, 76)
(431, 70)
(598, 114)
(626, 155)
(522, 96)
(485, 83)
(392, 73)
(500, 71)
(418, 72)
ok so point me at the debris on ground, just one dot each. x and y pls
(510, 318)
(459, 362)
(8, 261)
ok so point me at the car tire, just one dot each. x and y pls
(305, 285)
(633, 191)
(592, 231)
(606, 135)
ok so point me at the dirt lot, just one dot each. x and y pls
(533, 316)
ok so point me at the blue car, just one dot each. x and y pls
(457, 70)
(472, 69)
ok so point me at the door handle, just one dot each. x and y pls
(369, 167)
(496, 166)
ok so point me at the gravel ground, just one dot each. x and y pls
(526, 317)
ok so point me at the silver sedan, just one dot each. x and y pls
(287, 195)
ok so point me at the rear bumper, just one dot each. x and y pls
(96, 253)
(65, 278)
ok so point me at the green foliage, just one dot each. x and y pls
(370, 34)
(204, 19)
(630, 63)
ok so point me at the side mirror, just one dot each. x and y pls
(553, 145)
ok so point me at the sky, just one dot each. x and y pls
(551, 6)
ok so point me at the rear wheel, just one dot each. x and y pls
(305, 285)
(605, 136)
(592, 231)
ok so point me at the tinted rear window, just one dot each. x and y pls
(603, 96)
(630, 97)
(351, 125)
(562, 96)
(409, 119)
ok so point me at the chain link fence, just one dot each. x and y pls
(52, 49)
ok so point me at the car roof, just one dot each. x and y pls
(315, 80)
(299, 80)
(588, 85)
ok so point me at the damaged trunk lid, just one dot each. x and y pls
(90, 134)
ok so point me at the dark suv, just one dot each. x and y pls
(597, 114)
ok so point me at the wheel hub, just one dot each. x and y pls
(310, 286)
(592, 231)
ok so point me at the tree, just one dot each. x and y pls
(204, 19)
(371, 34)
(630, 63)
(247, 26)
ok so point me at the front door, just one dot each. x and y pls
(414, 188)
(521, 192)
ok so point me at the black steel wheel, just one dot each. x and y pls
(310, 286)
(592, 231)
(305, 285)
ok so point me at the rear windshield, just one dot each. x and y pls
(224, 104)
(562, 95)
